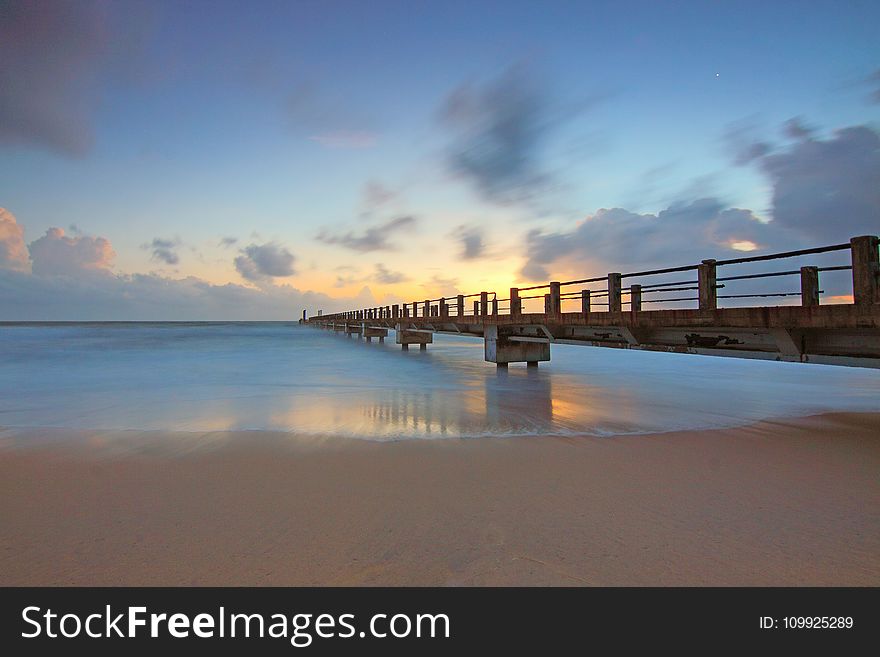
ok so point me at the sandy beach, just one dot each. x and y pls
(790, 502)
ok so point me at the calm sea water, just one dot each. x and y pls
(218, 376)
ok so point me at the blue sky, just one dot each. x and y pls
(269, 122)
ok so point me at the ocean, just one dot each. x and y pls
(215, 376)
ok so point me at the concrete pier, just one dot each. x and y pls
(371, 332)
(502, 348)
(406, 337)
(638, 310)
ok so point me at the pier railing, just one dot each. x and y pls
(702, 286)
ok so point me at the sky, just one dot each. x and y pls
(232, 160)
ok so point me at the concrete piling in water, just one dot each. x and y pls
(502, 348)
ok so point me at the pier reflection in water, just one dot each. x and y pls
(281, 377)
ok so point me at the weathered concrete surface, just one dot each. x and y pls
(501, 349)
(414, 336)
(375, 332)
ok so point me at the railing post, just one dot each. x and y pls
(708, 290)
(460, 304)
(406, 310)
(484, 303)
(427, 307)
(635, 298)
(495, 305)
(614, 282)
(555, 298)
(865, 269)
(515, 308)
(444, 309)
(809, 286)
(547, 304)
(395, 311)
(476, 307)
(585, 302)
(387, 312)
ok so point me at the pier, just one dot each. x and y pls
(708, 308)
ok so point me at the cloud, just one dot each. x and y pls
(164, 250)
(227, 242)
(383, 275)
(55, 254)
(376, 195)
(472, 241)
(619, 240)
(826, 189)
(795, 128)
(13, 251)
(346, 139)
(501, 133)
(265, 261)
(151, 297)
(53, 58)
(375, 238)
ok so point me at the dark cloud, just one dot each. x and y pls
(383, 275)
(619, 240)
(54, 57)
(56, 254)
(472, 241)
(164, 250)
(795, 128)
(13, 250)
(500, 131)
(827, 189)
(375, 238)
(264, 261)
(227, 242)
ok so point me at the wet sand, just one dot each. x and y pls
(791, 502)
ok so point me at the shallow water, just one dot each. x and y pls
(284, 377)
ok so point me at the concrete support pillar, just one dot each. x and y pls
(502, 348)
(614, 283)
(484, 303)
(459, 302)
(706, 282)
(865, 269)
(585, 302)
(635, 298)
(405, 337)
(809, 286)
(555, 299)
(515, 307)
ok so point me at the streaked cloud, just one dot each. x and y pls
(375, 238)
(471, 240)
(383, 275)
